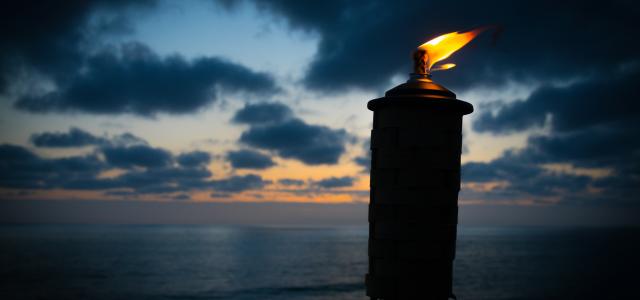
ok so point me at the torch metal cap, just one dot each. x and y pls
(421, 91)
(420, 85)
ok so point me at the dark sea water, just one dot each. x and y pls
(217, 262)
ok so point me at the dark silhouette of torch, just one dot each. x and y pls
(416, 145)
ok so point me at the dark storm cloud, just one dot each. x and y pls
(136, 80)
(601, 100)
(164, 180)
(241, 183)
(48, 35)
(594, 123)
(363, 43)
(194, 159)
(170, 179)
(154, 180)
(311, 144)
(77, 137)
(137, 156)
(74, 138)
(291, 182)
(61, 42)
(614, 148)
(262, 113)
(524, 178)
(20, 168)
(249, 159)
(155, 172)
(335, 182)
(23, 170)
(623, 186)
(600, 146)
(273, 127)
(518, 178)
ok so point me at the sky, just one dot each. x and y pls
(181, 111)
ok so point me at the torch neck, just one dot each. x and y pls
(419, 77)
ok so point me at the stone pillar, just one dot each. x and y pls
(416, 144)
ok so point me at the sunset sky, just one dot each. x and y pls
(171, 103)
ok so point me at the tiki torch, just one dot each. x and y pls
(416, 145)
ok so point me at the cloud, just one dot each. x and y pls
(194, 159)
(593, 125)
(150, 169)
(523, 179)
(290, 137)
(77, 137)
(137, 156)
(291, 182)
(141, 168)
(597, 147)
(22, 169)
(357, 50)
(335, 182)
(249, 159)
(136, 80)
(311, 144)
(155, 173)
(262, 113)
(62, 45)
(365, 160)
(48, 36)
(162, 180)
(74, 138)
(166, 180)
(509, 179)
(236, 184)
(577, 106)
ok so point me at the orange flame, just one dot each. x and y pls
(443, 67)
(443, 46)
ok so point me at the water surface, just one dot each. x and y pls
(225, 262)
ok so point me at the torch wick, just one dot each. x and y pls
(420, 64)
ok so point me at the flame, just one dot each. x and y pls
(443, 67)
(443, 46)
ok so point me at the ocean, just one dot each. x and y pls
(242, 263)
